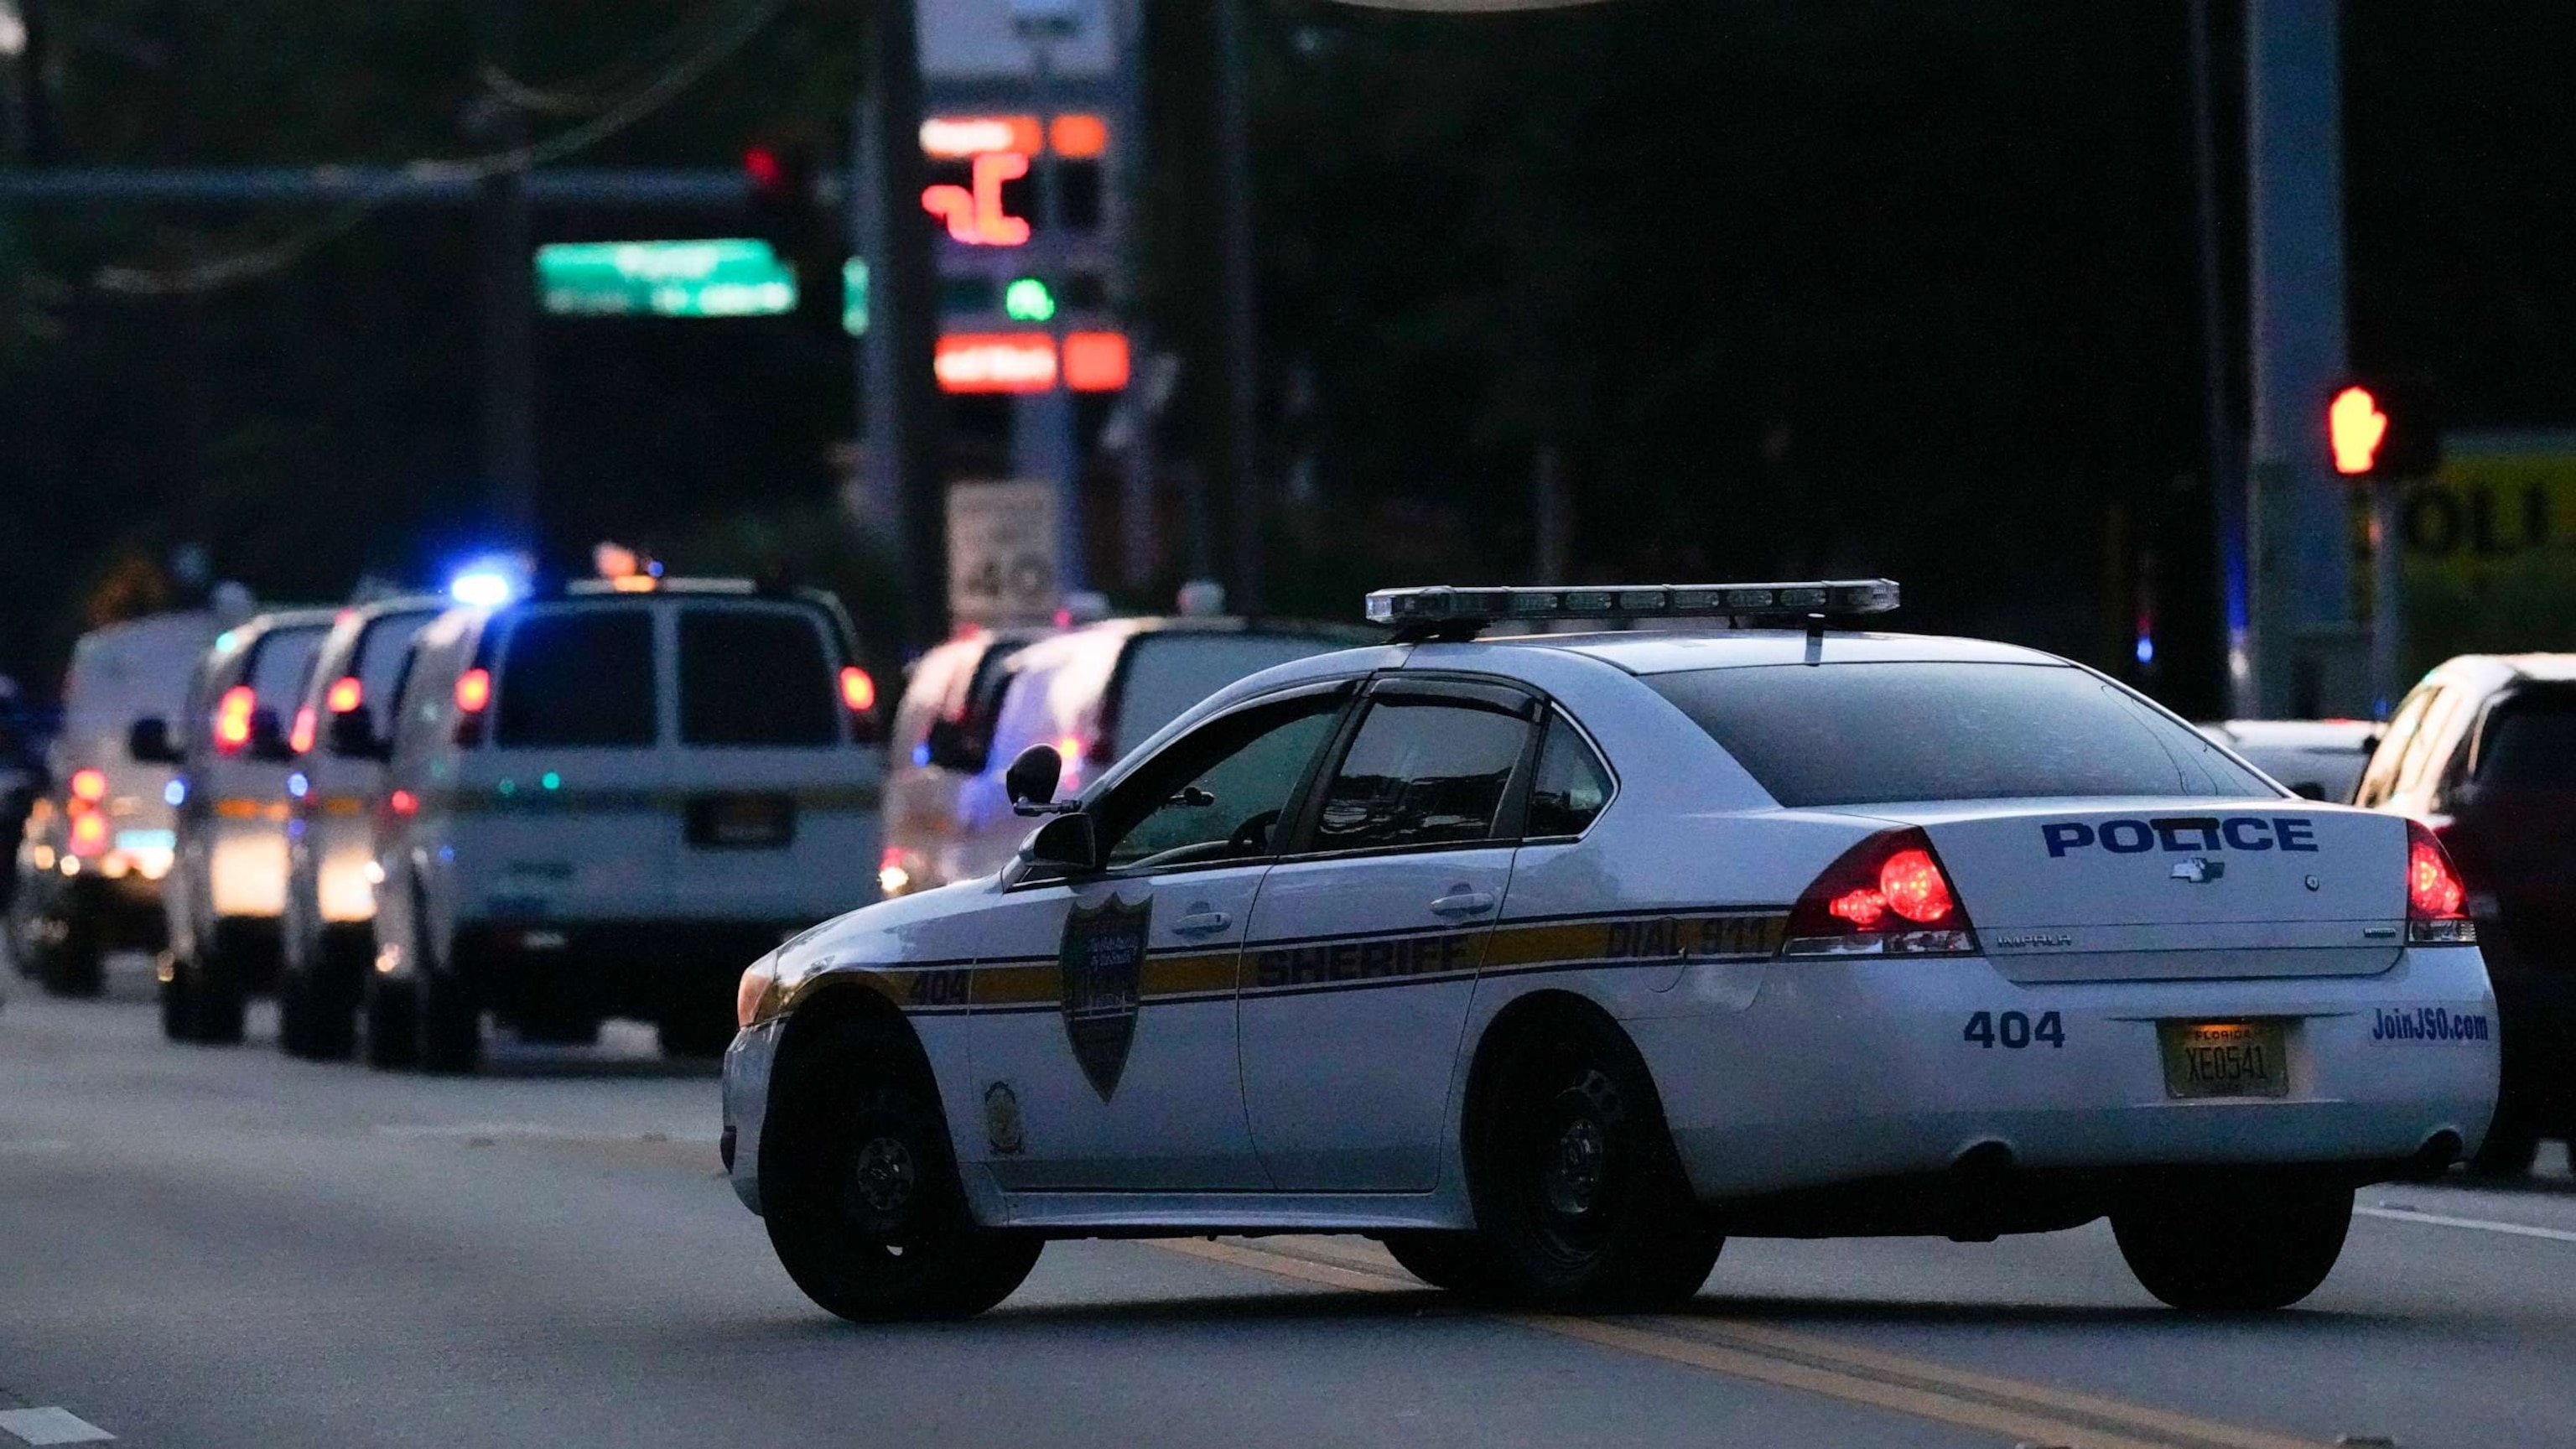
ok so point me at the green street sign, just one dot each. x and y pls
(729, 278)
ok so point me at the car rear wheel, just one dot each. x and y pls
(393, 1032)
(1578, 1192)
(74, 963)
(201, 1001)
(860, 1193)
(451, 1024)
(2235, 1254)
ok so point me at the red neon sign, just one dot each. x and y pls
(976, 217)
(1027, 362)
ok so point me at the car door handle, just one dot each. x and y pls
(1463, 903)
(1202, 923)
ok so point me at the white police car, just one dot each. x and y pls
(1551, 960)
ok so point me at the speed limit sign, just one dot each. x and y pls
(1001, 552)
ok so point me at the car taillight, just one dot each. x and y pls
(346, 694)
(232, 719)
(858, 689)
(300, 738)
(1886, 896)
(90, 785)
(89, 833)
(403, 802)
(2436, 897)
(474, 690)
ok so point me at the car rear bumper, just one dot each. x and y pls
(747, 1065)
(1859, 1072)
(640, 969)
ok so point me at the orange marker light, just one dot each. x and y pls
(89, 785)
(474, 690)
(1095, 361)
(1079, 137)
(346, 693)
(858, 690)
(2356, 427)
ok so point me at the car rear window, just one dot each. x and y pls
(755, 677)
(577, 677)
(279, 663)
(1848, 734)
(2530, 742)
(382, 647)
(1164, 674)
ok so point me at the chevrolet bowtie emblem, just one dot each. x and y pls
(2199, 870)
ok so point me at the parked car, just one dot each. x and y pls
(2484, 751)
(2318, 758)
(22, 775)
(1097, 692)
(100, 837)
(941, 738)
(339, 736)
(226, 892)
(601, 802)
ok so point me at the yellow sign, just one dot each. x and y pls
(2491, 547)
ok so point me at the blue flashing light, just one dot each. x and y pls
(921, 753)
(175, 793)
(298, 785)
(2146, 649)
(508, 787)
(484, 588)
(550, 780)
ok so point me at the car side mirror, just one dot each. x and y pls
(268, 738)
(1068, 842)
(149, 742)
(950, 749)
(353, 737)
(1032, 778)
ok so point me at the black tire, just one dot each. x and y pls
(76, 964)
(392, 1011)
(2511, 1147)
(294, 1025)
(451, 1025)
(2249, 1254)
(859, 1189)
(217, 1005)
(1579, 1194)
(330, 1015)
(177, 1012)
(1457, 1262)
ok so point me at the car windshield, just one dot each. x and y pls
(280, 662)
(1850, 734)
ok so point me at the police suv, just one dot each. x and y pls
(1550, 961)
(599, 801)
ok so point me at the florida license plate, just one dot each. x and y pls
(742, 822)
(2225, 1058)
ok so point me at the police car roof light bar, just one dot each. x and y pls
(1442, 612)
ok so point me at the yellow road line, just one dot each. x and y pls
(1918, 1388)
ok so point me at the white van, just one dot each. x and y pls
(100, 839)
(942, 738)
(1095, 693)
(604, 801)
(227, 886)
(339, 735)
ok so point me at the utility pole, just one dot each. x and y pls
(509, 413)
(1044, 441)
(1245, 497)
(2222, 459)
(900, 401)
(2304, 651)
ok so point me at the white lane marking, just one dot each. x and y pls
(2441, 1220)
(30, 1146)
(51, 1426)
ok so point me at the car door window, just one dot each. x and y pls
(1421, 772)
(1218, 793)
(2379, 779)
(1571, 786)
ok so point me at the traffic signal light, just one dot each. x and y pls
(787, 211)
(2383, 430)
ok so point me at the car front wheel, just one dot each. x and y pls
(860, 1192)
(2235, 1255)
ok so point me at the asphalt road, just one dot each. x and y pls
(203, 1248)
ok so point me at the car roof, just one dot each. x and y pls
(1660, 651)
(2297, 734)
(2488, 672)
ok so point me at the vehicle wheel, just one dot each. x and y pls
(75, 964)
(2230, 1255)
(393, 1028)
(293, 1025)
(330, 1015)
(1578, 1192)
(1457, 1262)
(451, 1025)
(695, 1033)
(860, 1193)
(2511, 1148)
(177, 1012)
(214, 1004)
